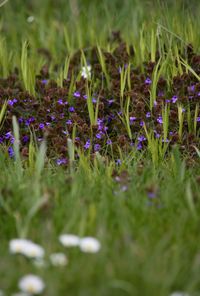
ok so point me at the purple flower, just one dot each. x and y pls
(8, 135)
(11, 152)
(198, 119)
(20, 120)
(139, 146)
(157, 135)
(69, 122)
(10, 102)
(148, 114)
(151, 194)
(40, 139)
(29, 120)
(52, 117)
(77, 94)
(60, 102)
(109, 142)
(1, 140)
(118, 162)
(65, 133)
(97, 147)
(141, 123)
(25, 139)
(160, 120)
(160, 93)
(85, 97)
(165, 140)
(132, 119)
(87, 144)
(148, 80)
(141, 138)
(191, 88)
(44, 81)
(61, 161)
(99, 121)
(41, 125)
(99, 135)
(94, 100)
(71, 109)
(174, 99)
(167, 101)
(110, 102)
(155, 103)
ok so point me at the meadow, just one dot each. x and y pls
(99, 148)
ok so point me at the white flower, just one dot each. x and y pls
(26, 248)
(58, 259)
(89, 245)
(178, 293)
(31, 284)
(30, 19)
(69, 240)
(86, 72)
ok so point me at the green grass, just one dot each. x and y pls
(149, 246)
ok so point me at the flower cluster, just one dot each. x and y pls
(56, 112)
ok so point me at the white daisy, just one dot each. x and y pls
(179, 293)
(69, 240)
(58, 259)
(86, 72)
(26, 248)
(31, 284)
(30, 19)
(90, 245)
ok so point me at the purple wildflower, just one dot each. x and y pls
(139, 146)
(99, 135)
(69, 122)
(191, 88)
(94, 100)
(151, 194)
(11, 152)
(109, 142)
(148, 80)
(44, 81)
(71, 109)
(97, 147)
(167, 101)
(141, 138)
(174, 99)
(41, 125)
(25, 139)
(110, 102)
(8, 135)
(142, 123)
(132, 119)
(20, 120)
(87, 144)
(77, 94)
(118, 162)
(61, 161)
(198, 119)
(148, 114)
(60, 102)
(160, 120)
